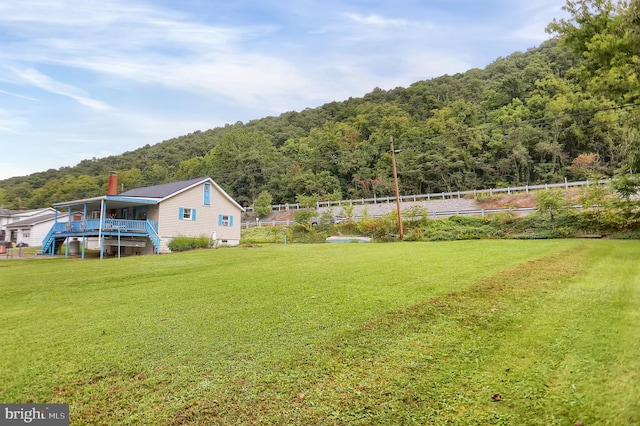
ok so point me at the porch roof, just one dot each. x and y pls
(112, 201)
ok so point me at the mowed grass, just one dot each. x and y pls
(336, 334)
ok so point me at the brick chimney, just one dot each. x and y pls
(112, 189)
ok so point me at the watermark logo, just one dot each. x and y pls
(34, 414)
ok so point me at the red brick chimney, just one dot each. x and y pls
(112, 189)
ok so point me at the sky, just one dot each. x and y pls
(83, 79)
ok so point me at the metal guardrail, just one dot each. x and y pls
(433, 215)
(440, 195)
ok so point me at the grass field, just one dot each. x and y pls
(335, 334)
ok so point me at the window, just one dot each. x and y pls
(187, 214)
(207, 194)
(225, 220)
(140, 213)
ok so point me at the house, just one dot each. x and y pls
(25, 226)
(145, 220)
(31, 231)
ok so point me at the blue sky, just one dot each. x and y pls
(83, 78)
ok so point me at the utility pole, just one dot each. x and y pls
(395, 181)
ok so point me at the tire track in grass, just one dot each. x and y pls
(413, 366)
(435, 350)
(552, 336)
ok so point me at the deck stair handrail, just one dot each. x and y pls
(152, 231)
(48, 243)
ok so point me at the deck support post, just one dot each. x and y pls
(100, 234)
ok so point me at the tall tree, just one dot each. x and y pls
(605, 35)
(243, 161)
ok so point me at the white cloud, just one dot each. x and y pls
(11, 123)
(17, 95)
(149, 70)
(37, 79)
(376, 20)
(147, 46)
(536, 15)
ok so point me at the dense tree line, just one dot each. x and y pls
(565, 109)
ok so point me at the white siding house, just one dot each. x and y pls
(192, 209)
(145, 220)
(26, 226)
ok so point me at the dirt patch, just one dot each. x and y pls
(279, 216)
(522, 200)
(506, 201)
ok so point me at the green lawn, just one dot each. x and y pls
(345, 334)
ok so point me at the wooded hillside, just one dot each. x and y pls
(567, 108)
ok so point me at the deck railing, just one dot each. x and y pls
(93, 225)
(91, 228)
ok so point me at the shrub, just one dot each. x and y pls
(635, 235)
(263, 235)
(304, 215)
(325, 223)
(415, 234)
(189, 243)
(305, 233)
(384, 228)
(262, 204)
(346, 228)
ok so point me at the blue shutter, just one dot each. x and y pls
(219, 220)
(181, 213)
(193, 214)
(207, 194)
(230, 220)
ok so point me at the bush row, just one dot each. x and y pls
(615, 223)
(189, 243)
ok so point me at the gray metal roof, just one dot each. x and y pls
(161, 191)
(32, 221)
(146, 195)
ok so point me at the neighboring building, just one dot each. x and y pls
(145, 220)
(31, 231)
(9, 218)
(5, 219)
